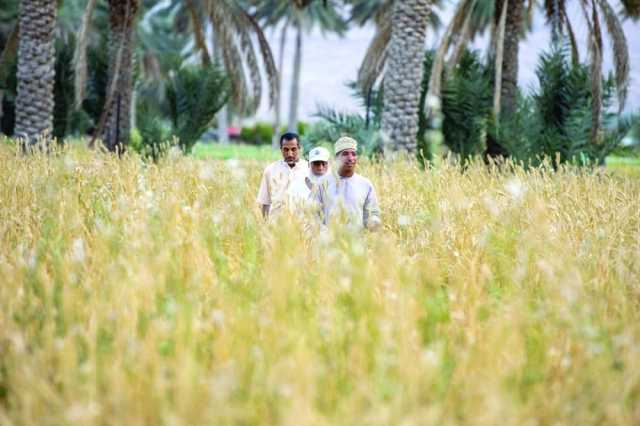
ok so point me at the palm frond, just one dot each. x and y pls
(596, 73)
(249, 53)
(198, 34)
(80, 54)
(375, 57)
(575, 53)
(223, 27)
(8, 55)
(554, 10)
(460, 16)
(462, 40)
(620, 51)
(499, 46)
(631, 9)
(267, 57)
(595, 66)
(529, 16)
(233, 28)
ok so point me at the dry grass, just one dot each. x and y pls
(154, 294)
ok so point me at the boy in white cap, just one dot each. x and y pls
(348, 191)
(300, 189)
(278, 176)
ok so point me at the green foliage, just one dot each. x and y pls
(8, 84)
(9, 10)
(555, 120)
(190, 99)
(466, 102)
(364, 128)
(97, 79)
(152, 131)
(635, 128)
(194, 96)
(216, 151)
(63, 89)
(301, 128)
(334, 124)
(326, 15)
(465, 106)
(258, 134)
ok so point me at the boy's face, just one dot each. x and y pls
(319, 168)
(347, 160)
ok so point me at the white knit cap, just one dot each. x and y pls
(318, 154)
(345, 142)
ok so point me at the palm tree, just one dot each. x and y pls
(592, 11)
(303, 16)
(403, 74)
(115, 124)
(378, 12)
(233, 31)
(509, 18)
(512, 32)
(36, 69)
(234, 28)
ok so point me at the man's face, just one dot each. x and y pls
(347, 160)
(319, 168)
(290, 152)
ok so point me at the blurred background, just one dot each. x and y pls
(545, 78)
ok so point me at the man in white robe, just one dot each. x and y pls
(279, 176)
(348, 193)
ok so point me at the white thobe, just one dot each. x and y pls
(353, 196)
(276, 181)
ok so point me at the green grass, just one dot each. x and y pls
(627, 165)
(613, 160)
(264, 152)
(225, 152)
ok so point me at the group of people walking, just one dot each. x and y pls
(294, 185)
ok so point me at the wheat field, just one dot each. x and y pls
(137, 293)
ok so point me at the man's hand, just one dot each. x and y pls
(374, 223)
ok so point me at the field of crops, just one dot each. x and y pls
(137, 293)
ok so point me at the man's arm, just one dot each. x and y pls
(264, 195)
(371, 211)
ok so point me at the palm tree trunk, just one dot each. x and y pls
(122, 14)
(404, 74)
(198, 34)
(222, 116)
(275, 142)
(295, 83)
(36, 69)
(513, 30)
(499, 58)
